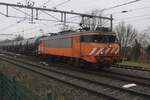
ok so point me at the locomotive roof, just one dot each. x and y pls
(77, 34)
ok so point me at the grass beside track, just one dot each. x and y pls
(132, 63)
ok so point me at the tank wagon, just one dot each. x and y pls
(26, 46)
(97, 48)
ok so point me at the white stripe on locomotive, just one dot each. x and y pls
(107, 50)
(99, 51)
(93, 51)
(113, 50)
(117, 51)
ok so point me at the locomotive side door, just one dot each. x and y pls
(76, 49)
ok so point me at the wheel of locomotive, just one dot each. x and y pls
(83, 64)
(75, 61)
(62, 59)
(67, 60)
(103, 66)
(54, 59)
(59, 59)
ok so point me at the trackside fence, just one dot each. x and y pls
(10, 89)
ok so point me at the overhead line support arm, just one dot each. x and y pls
(53, 10)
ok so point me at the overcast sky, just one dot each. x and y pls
(138, 15)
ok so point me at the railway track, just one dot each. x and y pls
(131, 67)
(139, 68)
(116, 75)
(96, 87)
(105, 73)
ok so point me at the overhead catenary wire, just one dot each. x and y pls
(33, 28)
(110, 7)
(137, 20)
(127, 3)
(45, 3)
(28, 29)
(55, 6)
(51, 15)
(133, 21)
(54, 10)
(134, 17)
(57, 20)
(9, 26)
(36, 27)
(42, 11)
(62, 3)
(31, 16)
(39, 19)
(130, 10)
(35, 32)
(12, 25)
(22, 11)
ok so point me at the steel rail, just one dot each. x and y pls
(98, 83)
(44, 73)
(110, 74)
(139, 68)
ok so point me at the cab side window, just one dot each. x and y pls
(86, 38)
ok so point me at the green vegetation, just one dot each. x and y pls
(148, 49)
(26, 78)
(12, 89)
(132, 63)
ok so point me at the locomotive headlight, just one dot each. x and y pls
(101, 53)
(110, 46)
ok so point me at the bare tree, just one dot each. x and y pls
(93, 23)
(144, 37)
(89, 23)
(126, 35)
(148, 49)
(18, 37)
(66, 28)
(136, 50)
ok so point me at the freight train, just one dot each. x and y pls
(97, 48)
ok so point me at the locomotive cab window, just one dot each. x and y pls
(98, 38)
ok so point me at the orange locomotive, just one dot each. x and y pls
(99, 48)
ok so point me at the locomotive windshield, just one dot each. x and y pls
(98, 38)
